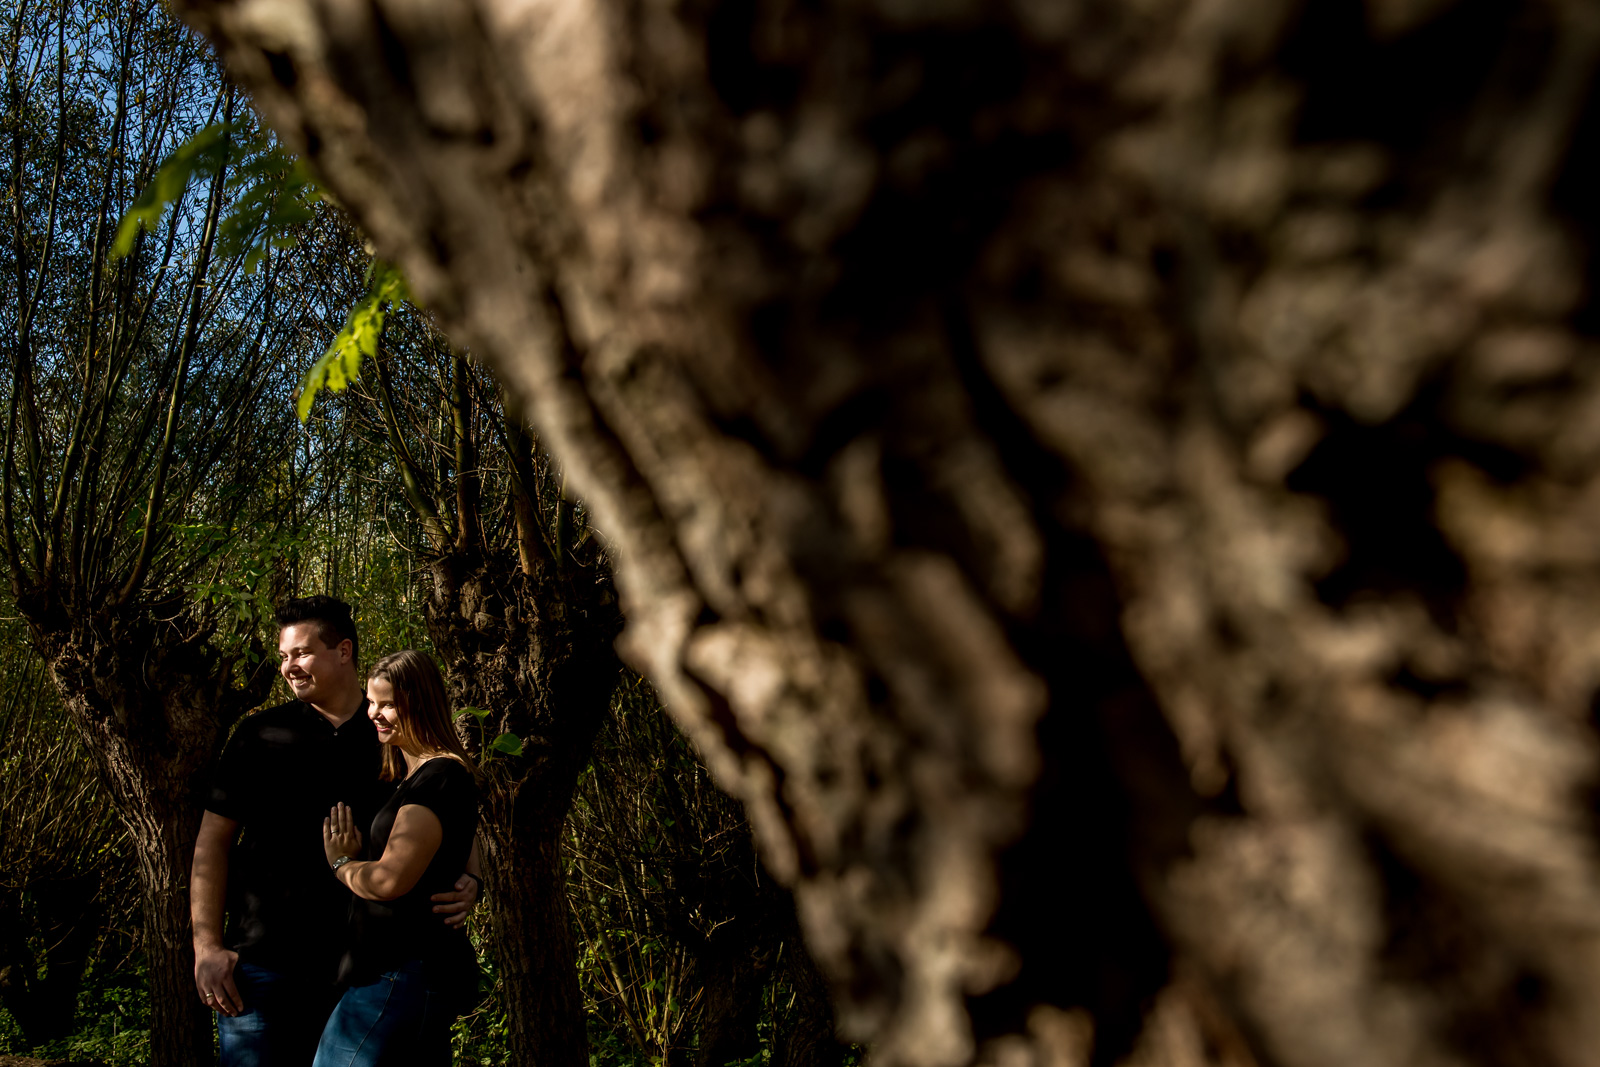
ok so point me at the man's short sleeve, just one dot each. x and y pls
(233, 777)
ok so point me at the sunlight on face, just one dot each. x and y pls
(310, 666)
(382, 709)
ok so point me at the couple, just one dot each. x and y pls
(335, 835)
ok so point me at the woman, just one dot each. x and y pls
(407, 975)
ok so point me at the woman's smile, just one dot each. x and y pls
(382, 709)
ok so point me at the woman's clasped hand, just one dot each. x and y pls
(340, 837)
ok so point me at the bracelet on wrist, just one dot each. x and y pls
(340, 862)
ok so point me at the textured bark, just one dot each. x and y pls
(163, 836)
(1109, 485)
(533, 943)
(154, 704)
(535, 650)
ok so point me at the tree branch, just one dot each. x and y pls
(148, 536)
(410, 477)
(469, 520)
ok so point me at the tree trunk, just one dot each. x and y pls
(154, 705)
(734, 965)
(534, 651)
(733, 971)
(163, 842)
(533, 943)
(161, 807)
(1109, 486)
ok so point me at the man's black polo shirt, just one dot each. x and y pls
(281, 771)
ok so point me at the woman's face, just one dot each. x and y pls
(382, 710)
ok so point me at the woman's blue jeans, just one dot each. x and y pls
(396, 1021)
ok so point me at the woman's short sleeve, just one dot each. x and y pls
(446, 788)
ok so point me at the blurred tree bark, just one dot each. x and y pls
(1110, 486)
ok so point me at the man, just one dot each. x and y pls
(271, 978)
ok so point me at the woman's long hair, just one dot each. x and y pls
(424, 724)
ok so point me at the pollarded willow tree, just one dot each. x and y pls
(1109, 485)
(145, 468)
(519, 605)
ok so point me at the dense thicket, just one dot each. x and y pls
(661, 872)
(1108, 484)
(690, 948)
(65, 898)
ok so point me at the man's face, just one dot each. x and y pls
(310, 666)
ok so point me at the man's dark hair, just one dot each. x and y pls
(332, 617)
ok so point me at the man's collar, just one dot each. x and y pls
(359, 714)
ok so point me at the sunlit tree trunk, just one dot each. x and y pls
(1109, 485)
(532, 923)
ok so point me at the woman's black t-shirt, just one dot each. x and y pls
(387, 933)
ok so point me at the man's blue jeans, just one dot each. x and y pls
(396, 1021)
(281, 1023)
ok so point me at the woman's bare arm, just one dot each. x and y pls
(413, 841)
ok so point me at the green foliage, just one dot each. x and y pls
(114, 1015)
(382, 590)
(12, 1043)
(276, 195)
(341, 363)
(507, 744)
(482, 1036)
(272, 192)
(202, 154)
(113, 1021)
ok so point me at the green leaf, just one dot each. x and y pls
(279, 195)
(275, 192)
(203, 153)
(510, 744)
(341, 363)
(476, 713)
